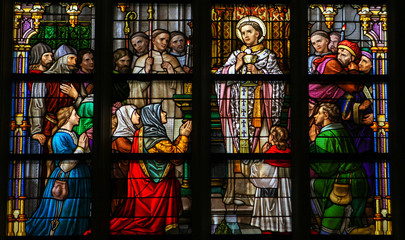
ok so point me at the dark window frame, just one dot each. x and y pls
(200, 156)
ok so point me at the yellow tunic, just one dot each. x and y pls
(180, 145)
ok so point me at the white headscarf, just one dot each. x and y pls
(125, 127)
(60, 66)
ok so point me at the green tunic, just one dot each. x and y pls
(85, 112)
(334, 138)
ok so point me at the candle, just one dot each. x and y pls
(342, 33)
(187, 53)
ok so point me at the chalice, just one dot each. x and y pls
(249, 59)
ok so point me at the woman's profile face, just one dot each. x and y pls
(135, 118)
(163, 117)
(74, 118)
(249, 35)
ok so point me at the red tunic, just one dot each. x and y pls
(278, 162)
(54, 100)
(32, 72)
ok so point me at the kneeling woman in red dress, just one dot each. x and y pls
(153, 199)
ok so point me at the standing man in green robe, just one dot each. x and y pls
(341, 213)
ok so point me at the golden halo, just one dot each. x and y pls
(251, 19)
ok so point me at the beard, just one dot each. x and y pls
(72, 67)
(344, 64)
(179, 50)
(124, 69)
(46, 65)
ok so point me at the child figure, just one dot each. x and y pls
(272, 203)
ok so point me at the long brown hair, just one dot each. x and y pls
(280, 137)
(62, 116)
(120, 53)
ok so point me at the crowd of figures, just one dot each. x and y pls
(145, 119)
(340, 119)
(341, 116)
(168, 55)
(61, 119)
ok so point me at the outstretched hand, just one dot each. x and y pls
(186, 128)
(69, 90)
(40, 137)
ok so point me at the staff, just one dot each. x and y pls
(130, 16)
(150, 18)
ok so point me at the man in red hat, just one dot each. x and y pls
(349, 55)
(345, 62)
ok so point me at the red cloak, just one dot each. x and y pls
(150, 208)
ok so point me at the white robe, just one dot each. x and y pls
(239, 187)
(271, 213)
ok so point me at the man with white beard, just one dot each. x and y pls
(48, 97)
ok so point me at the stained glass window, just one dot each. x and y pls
(250, 195)
(350, 192)
(51, 119)
(151, 194)
(94, 173)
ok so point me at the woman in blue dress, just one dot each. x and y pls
(58, 214)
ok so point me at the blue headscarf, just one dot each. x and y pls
(153, 129)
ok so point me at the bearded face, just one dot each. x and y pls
(333, 44)
(177, 44)
(71, 62)
(344, 57)
(122, 65)
(46, 60)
